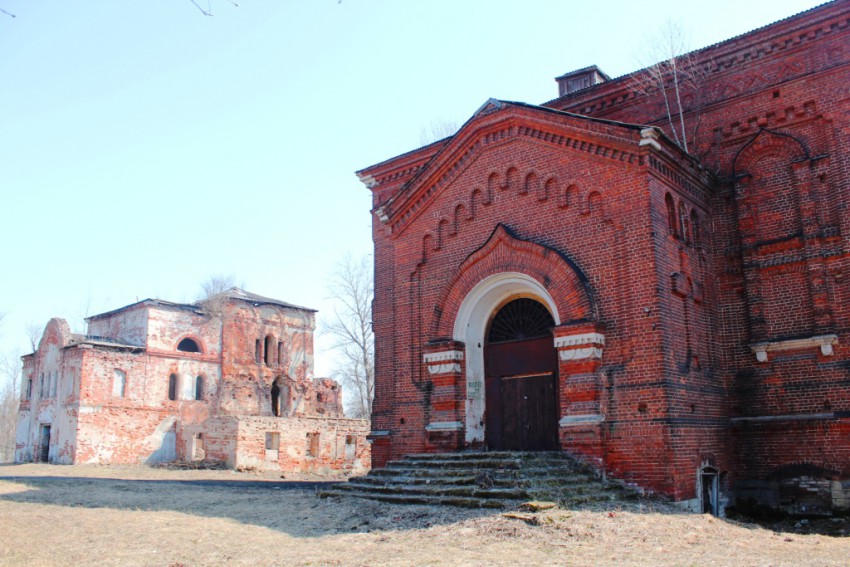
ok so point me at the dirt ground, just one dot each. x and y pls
(73, 515)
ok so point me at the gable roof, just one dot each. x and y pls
(611, 139)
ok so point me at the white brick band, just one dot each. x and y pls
(580, 353)
(441, 356)
(582, 339)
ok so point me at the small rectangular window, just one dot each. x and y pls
(350, 447)
(257, 349)
(272, 441)
(119, 383)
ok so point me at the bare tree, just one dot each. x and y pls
(34, 331)
(10, 374)
(671, 75)
(212, 295)
(206, 7)
(351, 287)
(437, 130)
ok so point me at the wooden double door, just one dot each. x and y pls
(521, 394)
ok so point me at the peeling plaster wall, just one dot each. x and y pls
(129, 325)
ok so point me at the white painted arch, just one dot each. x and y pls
(470, 328)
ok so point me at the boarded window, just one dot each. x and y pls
(695, 227)
(119, 383)
(313, 444)
(684, 223)
(671, 214)
(172, 387)
(188, 345)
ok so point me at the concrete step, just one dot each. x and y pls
(517, 472)
(463, 502)
(438, 490)
(495, 479)
(466, 479)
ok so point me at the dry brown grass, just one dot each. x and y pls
(51, 515)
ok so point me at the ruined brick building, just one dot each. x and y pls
(228, 380)
(565, 276)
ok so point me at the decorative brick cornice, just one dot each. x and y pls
(716, 61)
(602, 140)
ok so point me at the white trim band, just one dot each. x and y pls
(582, 339)
(577, 420)
(825, 343)
(441, 356)
(580, 353)
(444, 426)
(450, 368)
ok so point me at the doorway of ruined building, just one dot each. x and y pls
(709, 490)
(44, 444)
(520, 368)
(197, 451)
(280, 397)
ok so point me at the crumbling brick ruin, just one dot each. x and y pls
(229, 380)
(565, 276)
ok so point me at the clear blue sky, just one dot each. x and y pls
(145, 146)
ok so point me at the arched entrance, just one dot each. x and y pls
(521, 370)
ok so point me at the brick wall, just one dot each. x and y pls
(718, 280)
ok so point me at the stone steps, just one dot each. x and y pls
(481, 480)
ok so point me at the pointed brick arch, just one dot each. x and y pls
(505, 252)
(768, 142)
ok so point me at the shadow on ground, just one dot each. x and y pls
(288, 506)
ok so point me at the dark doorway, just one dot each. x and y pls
(709, 491)
(275, 399)
(521, 379)
(44, 444)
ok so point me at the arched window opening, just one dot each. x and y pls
(671, 214)
(268, 351)
(199, 388)
(188, 345)
(119, 383)
(172, 387)
(520, 319)
(684, 224)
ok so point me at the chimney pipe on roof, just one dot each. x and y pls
(580, 79)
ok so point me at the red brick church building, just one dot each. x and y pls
(566, 276)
